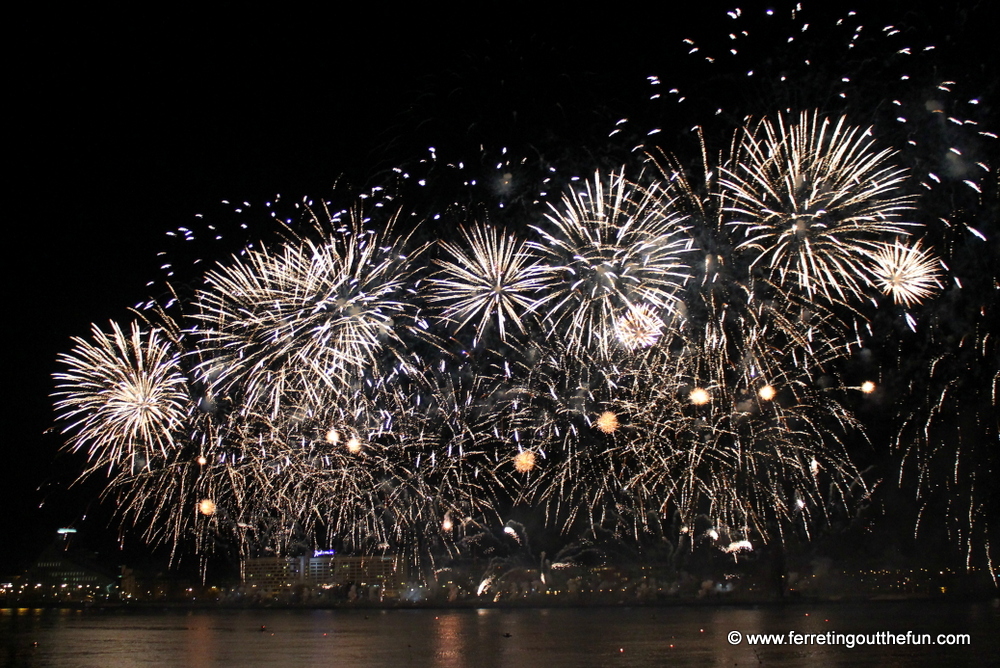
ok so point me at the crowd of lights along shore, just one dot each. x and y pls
(678, 346)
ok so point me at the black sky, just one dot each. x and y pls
(126, 126)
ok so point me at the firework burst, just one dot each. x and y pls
(908, 273)
(124, 397)
(607, 422)
(612, 245)
(639, 327)
(289, 326)
(495, 281)
(811, 199)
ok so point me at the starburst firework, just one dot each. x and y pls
(607, 422)
(289, 326)
(495, 281)
(811, 199)
(638, 327)
(612, 245)
(908, 273)
(524, 461)
(124, 397)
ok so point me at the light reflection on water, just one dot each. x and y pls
(520, 638)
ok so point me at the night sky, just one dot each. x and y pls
(124, 132)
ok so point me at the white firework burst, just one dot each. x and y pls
(812, 199)
(493, 280)
(638, 327)
(611, 245)
(124, 396)
(306, 318)
(908, 273)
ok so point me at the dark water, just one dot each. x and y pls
(521, 638)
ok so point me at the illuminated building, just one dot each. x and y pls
(271, 575)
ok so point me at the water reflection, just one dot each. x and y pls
(199, 642)
(450, 641)
(523, 638)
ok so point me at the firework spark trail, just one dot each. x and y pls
(949, 429)
(740, 456)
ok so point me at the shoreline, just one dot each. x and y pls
(714, 602)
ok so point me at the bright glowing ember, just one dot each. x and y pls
(699, 396)
(607, 422)
(524, 461)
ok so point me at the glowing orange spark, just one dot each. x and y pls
(607, 422)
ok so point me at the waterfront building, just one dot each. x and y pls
(274, 575)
